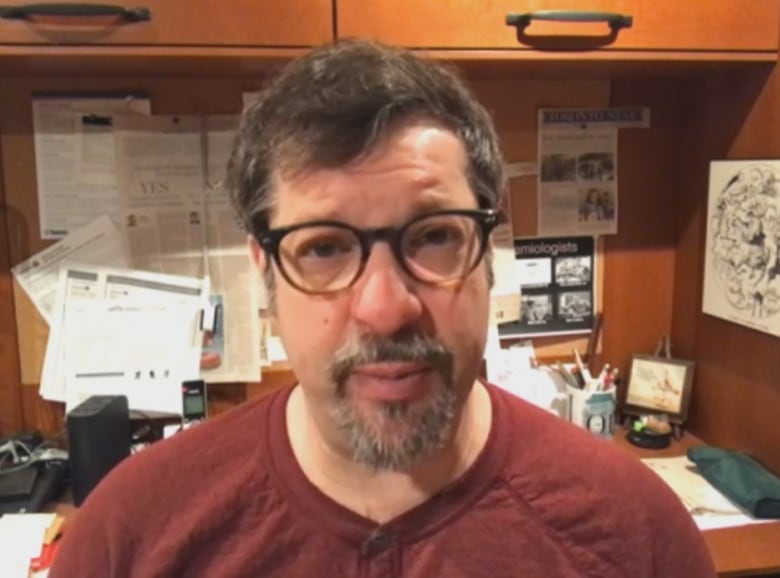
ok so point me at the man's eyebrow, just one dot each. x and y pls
(417, 206)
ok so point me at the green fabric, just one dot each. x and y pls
(740, 478)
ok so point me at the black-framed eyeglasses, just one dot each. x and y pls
(322, 257)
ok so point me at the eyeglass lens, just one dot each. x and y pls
(436, 249)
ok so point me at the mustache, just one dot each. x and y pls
(407, 346)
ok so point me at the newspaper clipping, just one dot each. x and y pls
(578, 156)
(178, 220)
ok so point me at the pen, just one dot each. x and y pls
(609, 379)
(566, 374)
(583, 370)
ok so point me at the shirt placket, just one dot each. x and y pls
(381, 555)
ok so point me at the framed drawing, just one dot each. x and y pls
(741, 265)
(659, 385)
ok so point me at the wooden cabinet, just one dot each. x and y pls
(658, 25)
(179, 23)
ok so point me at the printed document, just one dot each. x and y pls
(178, 220)
(97, 243)
(81, 282)
(74, 158)
(131, 347)
(578, 167)
(710, 509)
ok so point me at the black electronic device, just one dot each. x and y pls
(649, 439)
(16, 483)
(98, 439)
(194, 400)
(50, 479)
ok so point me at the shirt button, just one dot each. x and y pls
(377, 542)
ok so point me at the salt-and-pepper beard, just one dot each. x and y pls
(424, 425)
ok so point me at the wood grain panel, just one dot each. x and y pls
(738, 412)
(10, 378)
(44, 416)
(186, 22)
(736, 396)
(639, 260)
(696, 25)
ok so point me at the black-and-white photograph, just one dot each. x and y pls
(535, 309)
(558, 167)
(573, 271)
(548, 267)
(575, 304)
(596, 167)
(596, 204)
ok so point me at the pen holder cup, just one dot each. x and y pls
(592, 410)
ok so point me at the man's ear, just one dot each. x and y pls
(257, 253)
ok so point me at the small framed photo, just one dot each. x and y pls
(659, 385)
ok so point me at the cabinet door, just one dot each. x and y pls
(230, 23)
(658, 25)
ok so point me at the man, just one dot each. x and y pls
(369, 180)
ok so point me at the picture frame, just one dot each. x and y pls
(659, 385)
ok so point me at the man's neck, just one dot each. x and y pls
(381, 495)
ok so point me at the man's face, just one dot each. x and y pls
(385, 365)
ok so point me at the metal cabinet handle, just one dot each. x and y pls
(616, 23)
(613, 20)
(30, 11)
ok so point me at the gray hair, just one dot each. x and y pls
(337, 103)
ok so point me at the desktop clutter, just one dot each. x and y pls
(571, 391)
(568, 390)
(101, 432)
(592, 401)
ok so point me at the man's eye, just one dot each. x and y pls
(436, 236)
(324, 249)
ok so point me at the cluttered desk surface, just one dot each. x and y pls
(737, 551)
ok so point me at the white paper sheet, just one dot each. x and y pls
(81, 282)
(178, 220)
(74, 160)
(505, 293)
(741, 284)
(21, 540)
(710, 509)
(97, 243)
(141, 350)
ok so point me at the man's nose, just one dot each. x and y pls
(384, 300)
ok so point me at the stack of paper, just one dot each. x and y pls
(22, 536)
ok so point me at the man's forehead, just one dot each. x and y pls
(421, 167)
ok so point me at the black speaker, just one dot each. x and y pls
(98, 439)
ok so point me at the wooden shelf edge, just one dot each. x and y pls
(23, 60)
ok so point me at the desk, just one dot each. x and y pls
(740, 551)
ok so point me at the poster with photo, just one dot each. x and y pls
(578, 163)
(742, 258)
(556, 287)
